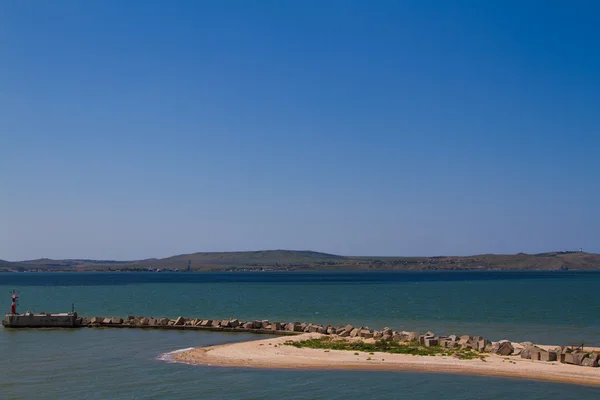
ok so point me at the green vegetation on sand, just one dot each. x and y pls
(412, 348)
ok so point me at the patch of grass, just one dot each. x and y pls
(411, 348)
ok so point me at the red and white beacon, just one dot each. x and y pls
(13, 307)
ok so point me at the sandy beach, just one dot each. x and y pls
(272, 353)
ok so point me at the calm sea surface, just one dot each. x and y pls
(544, 307)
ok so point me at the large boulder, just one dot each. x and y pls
(547, 356)
(529, 350)
(574, 358)
(225, 323)
(206, 322)
(464, 339)
(355, 332)
(234, 322)
(180, 321)
(365, 333)
(470, 344)
(503, 348)
(257, 324)
(482, 343)
(431, 341)
(591, 360)
(107, 321)
(276, 326)
(410, 336)
(294, 327)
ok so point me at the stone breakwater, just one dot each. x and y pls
(575, 355)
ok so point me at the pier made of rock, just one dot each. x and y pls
(575, 355)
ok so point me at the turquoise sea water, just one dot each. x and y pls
(123, 364)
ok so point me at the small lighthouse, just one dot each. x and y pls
(13, 306)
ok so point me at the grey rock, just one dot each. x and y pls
(482, 343)
(547, 356)
(528, 350)
(504, 348)
(366, 333)
(574, 358)
(464, 339)
(591, 360)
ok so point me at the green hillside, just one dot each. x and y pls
(310, 260)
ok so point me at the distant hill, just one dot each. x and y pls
(310, 260)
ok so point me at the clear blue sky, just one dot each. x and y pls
(151, 128)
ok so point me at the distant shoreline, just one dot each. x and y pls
(292, 260)
(282, 271)
(273, 354)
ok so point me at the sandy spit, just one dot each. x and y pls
(273, 354)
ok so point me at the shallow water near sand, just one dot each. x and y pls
(544, 307)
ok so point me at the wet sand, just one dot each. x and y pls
(273, 354)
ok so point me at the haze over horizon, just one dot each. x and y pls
(134, 130)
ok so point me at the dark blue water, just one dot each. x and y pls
(550, 307)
